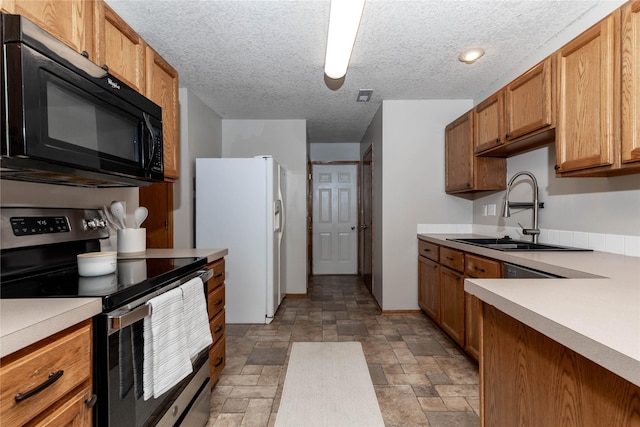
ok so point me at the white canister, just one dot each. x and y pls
(132, 241)
(96, 263)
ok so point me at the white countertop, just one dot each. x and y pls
(210, 254)
(26, 321)
(595, 312)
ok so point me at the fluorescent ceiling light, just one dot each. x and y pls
(344, 20)
(472, 55)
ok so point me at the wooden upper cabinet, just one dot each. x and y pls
(465, 172)
(162, 88)
(529, 102)
(630, 83)
(488, 120)
(587, 113)
(120, 48)
(459, 154)
(71, 21)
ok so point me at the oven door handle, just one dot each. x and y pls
(120, 320)
(129, 318)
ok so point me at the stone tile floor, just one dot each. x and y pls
(420, 377)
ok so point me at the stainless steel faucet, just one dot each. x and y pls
(533, 232)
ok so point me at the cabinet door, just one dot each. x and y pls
(472, 325)
(120, 48)
(162, 88)
(71, 412)
(429, 287)
(452, 306)
(71, 21)
(488, 122)
(631, 82)
(528, 101)
(586, 98)
(459, 154)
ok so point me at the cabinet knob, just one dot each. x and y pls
(506, 136)
(556, 167)
(105, 67)
(91, 402)
(497, 140)
(85, 54)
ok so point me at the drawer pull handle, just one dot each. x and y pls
(427, 250)
(479, 269)
(219, 362)
(218, 302)
(91, 402)
(53, 377)
(218, 329)
(449, 258)
(219, 275)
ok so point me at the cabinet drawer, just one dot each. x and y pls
(481, 267)
(217, 360)
(452, 258)
(217, 326)
(428, 250)
(218, 274)
(215, 301)
(68, 352)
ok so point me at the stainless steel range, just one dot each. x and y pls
(38, 260)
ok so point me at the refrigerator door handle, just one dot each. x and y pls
(278, 212)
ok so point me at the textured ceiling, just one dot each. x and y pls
(264, 59)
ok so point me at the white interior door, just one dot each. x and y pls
(335, 219)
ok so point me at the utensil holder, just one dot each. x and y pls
(132, 241)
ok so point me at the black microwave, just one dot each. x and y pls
(68, 121)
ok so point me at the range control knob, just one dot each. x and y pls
(92, 224)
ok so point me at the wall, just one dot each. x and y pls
(286, 141)
(599, 207)
(413, 189)
(332, 151)
(200, 136)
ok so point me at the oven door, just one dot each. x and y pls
(118, 374)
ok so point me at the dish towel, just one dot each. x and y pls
(196, 318)
(166, 359)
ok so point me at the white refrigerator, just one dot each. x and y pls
(240, 206)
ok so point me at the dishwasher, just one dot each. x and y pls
(513, 271)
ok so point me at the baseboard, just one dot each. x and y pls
(400, 312)
(295, 295)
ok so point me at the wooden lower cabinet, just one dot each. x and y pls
(441, 295)
(215, 305)
(429, 287)
(528, 379)
(65, 356)
(452, 298)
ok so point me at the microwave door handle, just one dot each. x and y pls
(147, 124)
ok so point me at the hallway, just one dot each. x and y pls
(420, 377)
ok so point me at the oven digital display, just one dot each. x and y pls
(27, 226)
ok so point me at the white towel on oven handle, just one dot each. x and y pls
(166, 359)
(196, 318)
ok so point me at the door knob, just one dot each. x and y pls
(353, 227)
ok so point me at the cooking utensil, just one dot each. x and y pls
(112, 222)
(140, 214)
(118, 212)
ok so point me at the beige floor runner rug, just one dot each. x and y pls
(328, 384)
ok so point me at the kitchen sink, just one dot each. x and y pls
(506, 244)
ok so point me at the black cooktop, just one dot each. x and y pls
(132, 279)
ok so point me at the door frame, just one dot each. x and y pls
(310, 208)
(367, 152)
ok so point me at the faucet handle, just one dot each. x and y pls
(529, 231)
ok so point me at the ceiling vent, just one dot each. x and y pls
(364, 95)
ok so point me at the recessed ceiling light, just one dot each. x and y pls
(470, 56)
(364, 95)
